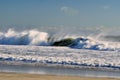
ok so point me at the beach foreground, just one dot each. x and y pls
(22, 76)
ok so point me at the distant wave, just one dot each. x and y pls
(112, 38)
(37, 38)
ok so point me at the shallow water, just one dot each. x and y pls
(99, 60)
(57, 71)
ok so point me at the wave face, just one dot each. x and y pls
(37, 38)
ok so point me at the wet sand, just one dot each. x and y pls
(23, 76)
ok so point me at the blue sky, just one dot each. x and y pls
(60, 12)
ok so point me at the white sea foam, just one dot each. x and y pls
(94, 44)
(61, 56)
(31, 37)
(38, 38)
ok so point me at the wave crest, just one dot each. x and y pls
(37, 38)
(31, 37)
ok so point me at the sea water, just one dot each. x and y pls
(57, 71)
(93, 50)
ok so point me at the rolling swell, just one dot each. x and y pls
(37, 38)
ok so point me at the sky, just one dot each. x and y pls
(60, 12)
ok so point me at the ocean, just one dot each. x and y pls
(62, 47)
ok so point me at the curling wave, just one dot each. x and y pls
(37, 38)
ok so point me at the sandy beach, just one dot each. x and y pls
(22, 76)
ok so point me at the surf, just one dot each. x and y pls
(38, 38)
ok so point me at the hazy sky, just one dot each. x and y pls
(60, 12)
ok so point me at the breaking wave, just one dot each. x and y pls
(31, 37)
(37, 38)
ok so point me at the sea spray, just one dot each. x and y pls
(39, 38)
(31, 37)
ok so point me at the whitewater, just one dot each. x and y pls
(35, 48)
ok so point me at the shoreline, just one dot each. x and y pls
(58, 71)
(67, 66)
(26, 76)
